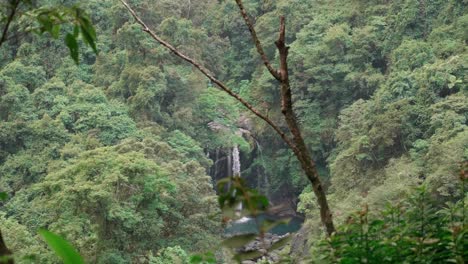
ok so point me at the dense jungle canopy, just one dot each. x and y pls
(118, 147)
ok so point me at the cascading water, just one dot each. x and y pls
(236, 170)
(250, 224)
(236, 167)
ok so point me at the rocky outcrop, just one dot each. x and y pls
(284, 209)
(299, 246)
(263, 245)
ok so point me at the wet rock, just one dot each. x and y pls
(263, 245)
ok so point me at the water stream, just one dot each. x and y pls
(236, 166)
(236, 170)
(250, 225)
(228, 164)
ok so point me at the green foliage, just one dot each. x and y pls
(50, 20)
(112, 152)
(415, 231)
(119, 195)
(26, 245)
(207, 258)
(65, 143)
(170, 255)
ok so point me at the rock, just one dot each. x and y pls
(273, 257)
(245, 122)
(262, 246)
(299, 242)
(215, 126)
(283, 209)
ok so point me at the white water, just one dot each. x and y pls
(244, 219)
(236, 166)
(236, 170)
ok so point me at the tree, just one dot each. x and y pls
(295, 141)
(4, 252)
(124, 201)
(50, 20)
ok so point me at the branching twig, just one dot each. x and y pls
(257, 42)
(205, 72)
(301, 151)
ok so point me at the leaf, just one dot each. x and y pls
(222, 183)
(196, 259)
(210, 257)
(72, 45)
(3, 196)
(55, 31)
(5, 259)
(76, 31)
(262, 201)
(30, 258)
(89, 38)
(238, 241)
(45, 21)
(61, 247)
(87, 29)
(206, 258)
(88, 26)
(377, 223)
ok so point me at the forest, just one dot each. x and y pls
(233, 131)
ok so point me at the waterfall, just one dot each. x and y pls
(236, 167)
(236, 170)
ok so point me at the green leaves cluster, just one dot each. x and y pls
(414, 231)
(51, 20)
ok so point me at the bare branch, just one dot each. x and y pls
(257, 42)
(205, 72)
(301, 151)
(14, 7)
(283, 52)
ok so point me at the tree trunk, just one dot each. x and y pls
(301, 151)
(5, 254)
